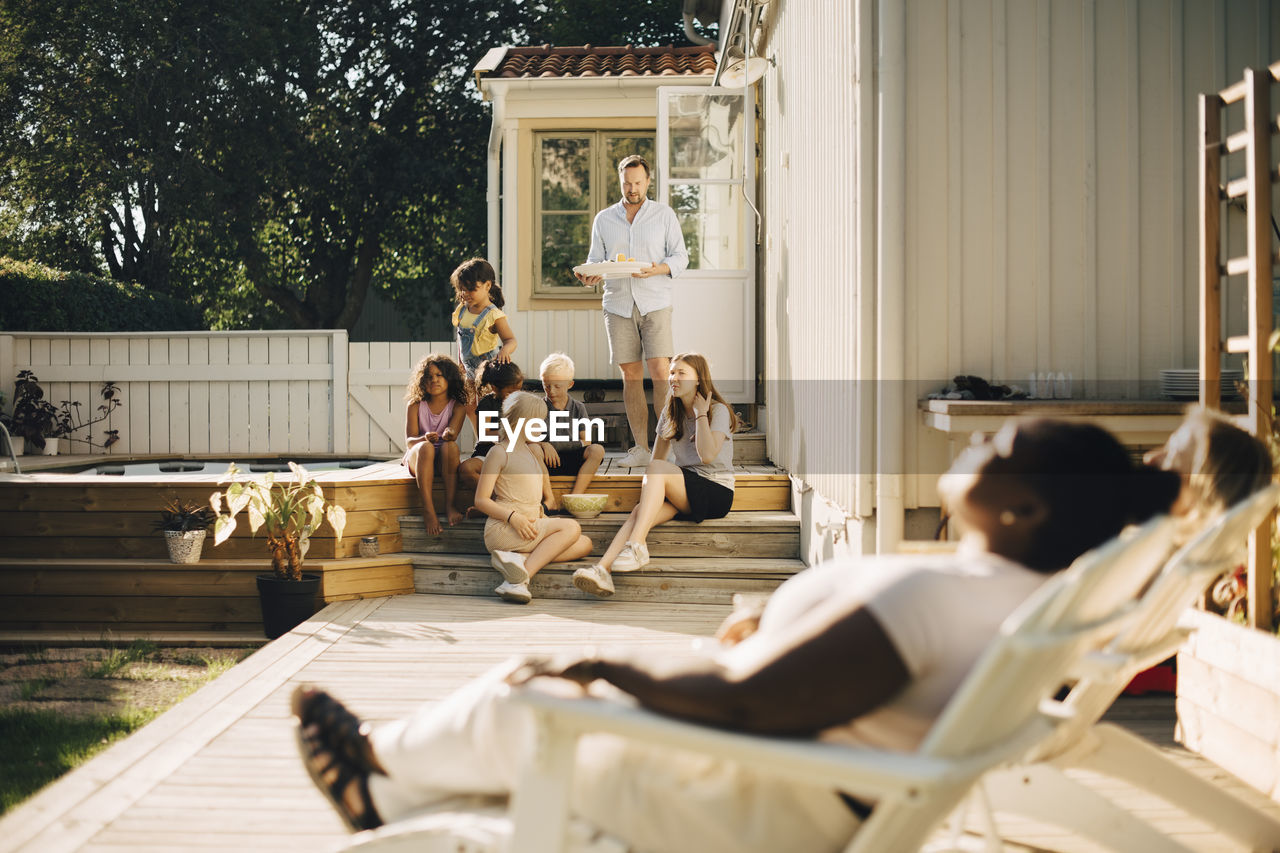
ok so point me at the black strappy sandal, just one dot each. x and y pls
(320, 760)
(339, 731)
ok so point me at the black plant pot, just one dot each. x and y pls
(286, 604)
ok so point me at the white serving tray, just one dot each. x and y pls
(611, 269)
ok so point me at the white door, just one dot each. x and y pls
(706, 164)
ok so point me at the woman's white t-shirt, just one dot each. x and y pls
(939, 611)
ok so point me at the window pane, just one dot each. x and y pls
(712, 217)
(617, 147)
(566, 239)
(566, 173)
(706, 137)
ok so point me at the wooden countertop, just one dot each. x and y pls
(1060, 408)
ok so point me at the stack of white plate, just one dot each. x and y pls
(1180, 383)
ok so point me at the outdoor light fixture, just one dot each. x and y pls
(740, 71)
(737, 69)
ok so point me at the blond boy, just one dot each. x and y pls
(578, 458)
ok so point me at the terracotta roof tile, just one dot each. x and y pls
(595, 61)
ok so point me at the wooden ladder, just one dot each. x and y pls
(1257, 264)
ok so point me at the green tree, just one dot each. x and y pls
(642, 23)
(267, 160)
(107, 114)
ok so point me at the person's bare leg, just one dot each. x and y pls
(469, 471)
(665, 513)
(423, 465)
(564, 543)
(590, 464)
(663, 486)
(468, 476)
(633, 397)
(549, 499)
(449, 470)
(658, 370)
(471, 416)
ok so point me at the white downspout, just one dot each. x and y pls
(493, 193)
(865, 219)
(890, 277)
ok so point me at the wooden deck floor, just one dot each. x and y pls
(219, 771)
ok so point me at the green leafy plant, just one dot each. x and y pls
(290, 511)
(38, 297)
(182, 517)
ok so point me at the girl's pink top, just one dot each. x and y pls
(434, 423)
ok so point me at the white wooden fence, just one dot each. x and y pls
(226, 392)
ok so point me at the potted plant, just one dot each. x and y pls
(34, 418)
(290, 512)
(184, 526)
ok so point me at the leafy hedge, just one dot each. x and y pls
(36, 298)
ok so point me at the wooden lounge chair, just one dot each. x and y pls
(1038, 788)
(1002, 711)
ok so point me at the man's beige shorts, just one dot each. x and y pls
(638, 337)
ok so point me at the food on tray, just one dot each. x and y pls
(622, 258)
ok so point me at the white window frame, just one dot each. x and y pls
(746, 181)
(601, 194)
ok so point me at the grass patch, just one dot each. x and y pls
(118, 659)
(27, 689)
(37, 747)
(215, 665)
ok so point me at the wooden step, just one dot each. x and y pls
(213, 594)
(749, 448)
(684, 580)
(161, 635)
(56, 516)
(758, 534)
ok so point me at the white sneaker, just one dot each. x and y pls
(634, 555)
(516, 593)
(510, 564)
(636, 457)
(595, 580)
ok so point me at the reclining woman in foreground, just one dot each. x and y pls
(872, 661)
(1219, 463)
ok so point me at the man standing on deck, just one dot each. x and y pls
(637, 310)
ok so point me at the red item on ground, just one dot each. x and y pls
(1161, 678)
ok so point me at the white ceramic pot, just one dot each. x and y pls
(50, 447)
(184, 545)
(19, 445)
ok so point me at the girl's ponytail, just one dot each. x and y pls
(495, 295)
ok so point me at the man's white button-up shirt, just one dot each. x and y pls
(654, 237)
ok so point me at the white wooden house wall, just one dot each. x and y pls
(1051, 189)
(1050, 206)
(809, 194)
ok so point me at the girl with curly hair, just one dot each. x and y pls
(437, 397)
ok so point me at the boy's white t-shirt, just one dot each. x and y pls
(939, 611)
